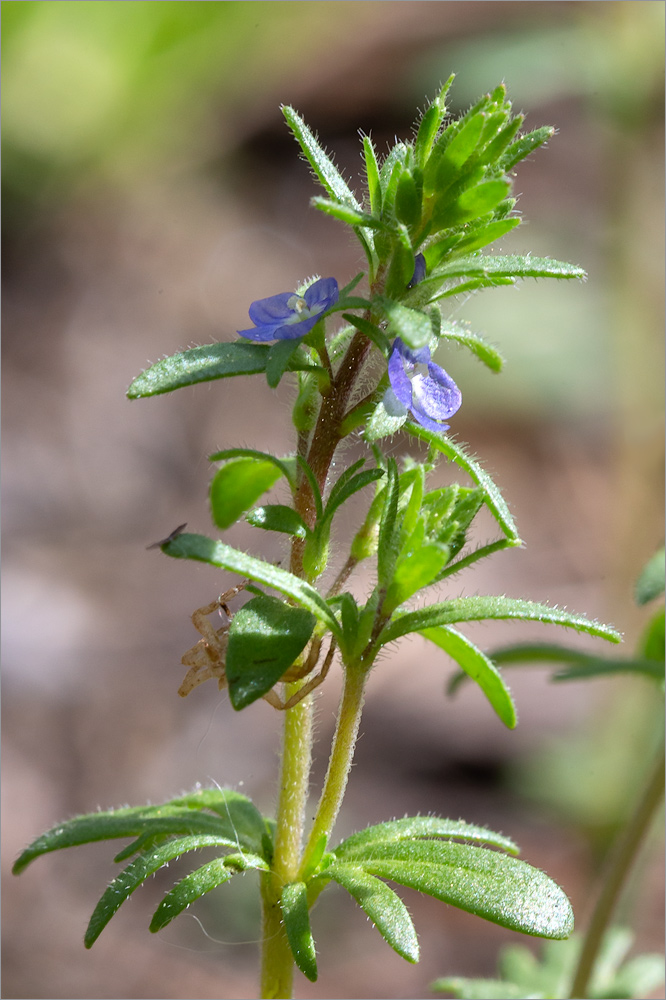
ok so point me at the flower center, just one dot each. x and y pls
(298, 304)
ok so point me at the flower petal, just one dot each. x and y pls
(272, 310)
(400, 382)
(322, 295)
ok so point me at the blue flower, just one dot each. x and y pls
(288, 316)
(420, 387)
(419, 270)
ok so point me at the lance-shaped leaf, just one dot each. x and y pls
(347, 214)
(386, 910)
(287, 466)
(137, 872)
(361, 845)
(457, 454)
(514, 266)
(265, 637)
(203, 549)
(468, 609)
(474, 343)
(372, 176)
(239, 815)
(477, 666)
(205, 364)
(413, 572)
(491, 885)
(198, 883)
(237, 486)
(327, 172)
(525, 145)
(294, 905)
(388, 545)
(483, 989)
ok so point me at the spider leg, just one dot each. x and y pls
(272, 698)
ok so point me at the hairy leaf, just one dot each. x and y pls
(278, 517)
(478, 667)
(361, 845)
(136, 873)
(294, 904)
(386, 910)
(491, 885)
(203, 549)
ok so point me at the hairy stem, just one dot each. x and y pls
(622, 856)
(340, 762)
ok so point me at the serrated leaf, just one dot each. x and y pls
(360, 845)
(278, 517)
(237, 486)
(491, 885)
(192, 887)
(265, 637)
(294, 904)
(412, 326)
(457, 454)
(384, 907)
(137, 872)
(478, 667)
(205, 364)
(467, 609)
(650, 583)
(474, 343)
(203, 549)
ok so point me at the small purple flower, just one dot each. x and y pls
(420, 387)
(419, 270)
(288, 316)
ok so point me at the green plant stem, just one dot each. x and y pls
(340, 761)
(277, 960)
(622, 856)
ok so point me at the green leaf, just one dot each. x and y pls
(137, 872)
(382, 423)
(389, 529)
(477, 666)
(457, 454)
(411, 325)
(237, 486)
(205, 364)
(407, 200)
(361, 845)
(239, 815)
(467, 609)
(346, 487)
(491, 885)
(430, 124)
(474, 343)
(653, 640)
(581, 665)
(514, 266)
(345, 213)
(265, 637)
(478, 200)
(386, 910)
(294, 904)
(192, 887)
(372, 175)
(650, 583)
(482, 989)
(485, 234)
(326, 171)
(451, 152)
(314, 486)
(522, 147)
(203, 549)
(287, 466)
(279, 360)
(413, 572)
(278, 517)
(371, 331)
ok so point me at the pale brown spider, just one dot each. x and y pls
(206, 659)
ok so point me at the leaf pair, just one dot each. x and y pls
(425, 853)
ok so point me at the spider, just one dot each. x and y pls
(206, 659)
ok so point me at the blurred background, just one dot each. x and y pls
(151, 191)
